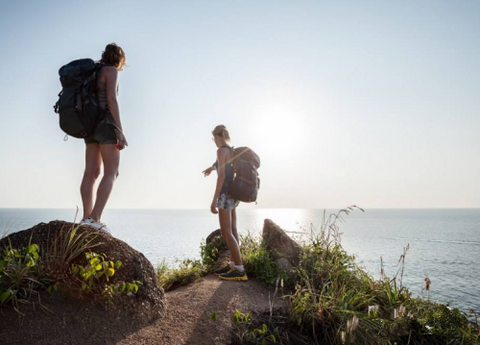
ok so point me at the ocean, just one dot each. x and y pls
(443, 244)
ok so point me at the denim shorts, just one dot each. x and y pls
(225, 202)
(103, 134)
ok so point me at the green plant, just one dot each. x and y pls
(187, 272)
(95, 271)
(211, 252)
(258, 261)
(252, 330)
(239, 317)
(24, 272)
(64, 249)
(336, 302)
(213, 315)
(95, 277)
(19, 277)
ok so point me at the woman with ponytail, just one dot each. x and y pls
(105, 144)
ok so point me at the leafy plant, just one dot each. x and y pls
(258, 261)
(95, 271)
(96, 275)
(252, 331)
(336, 302)
(239, 317)
(187, 272)
(211, 252)
(19, 277)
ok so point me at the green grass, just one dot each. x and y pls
(334, 301)
(331, 299)
(187, 272)
(211, 252)
(20, 276)
(258, 261)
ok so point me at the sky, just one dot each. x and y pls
(374, 103)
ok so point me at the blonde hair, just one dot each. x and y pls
(114, 55)
(221, 131)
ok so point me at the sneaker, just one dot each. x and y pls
(225, 269)
(96, 225)
(234, 274)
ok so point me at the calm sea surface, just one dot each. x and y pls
(444, 244)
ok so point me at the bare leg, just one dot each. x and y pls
(93, 162)
(226, 229)
(111, 162)
(234, 225)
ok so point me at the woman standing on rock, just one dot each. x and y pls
(226, 205)
(105, 144)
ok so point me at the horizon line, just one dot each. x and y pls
(261, 208)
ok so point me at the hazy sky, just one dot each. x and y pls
(374, 103)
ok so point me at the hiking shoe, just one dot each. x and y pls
(96, 225)
(234, 274)
(222, 270)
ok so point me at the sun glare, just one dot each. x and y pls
(290, 219)
(278, 128)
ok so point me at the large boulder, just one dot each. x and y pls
(147, 304)
(284, 250)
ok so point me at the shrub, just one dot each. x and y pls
(187, 272)
(210, 252)
(95, 276)
(258, 261)
(19, 275)
(25, 272)
(64, 249)
(336, 302)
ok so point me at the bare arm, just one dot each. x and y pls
(222, 155)
(209, 170)
(111, 81)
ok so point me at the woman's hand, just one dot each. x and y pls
(213, 208)
(207, 171)
(121, 140)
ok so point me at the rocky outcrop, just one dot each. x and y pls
(213, 235)
(284, 249)
(216, 239)
(148, 304)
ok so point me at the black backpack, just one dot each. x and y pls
(245, 183)
(78, 105)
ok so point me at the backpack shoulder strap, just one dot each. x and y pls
(231, 150)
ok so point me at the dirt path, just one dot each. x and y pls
(186, 321)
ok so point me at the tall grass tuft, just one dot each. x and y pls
(337, 302)
(258, 261)
(20, 278)
(64, 249)
(187, 272)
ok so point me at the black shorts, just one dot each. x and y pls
(104, 134)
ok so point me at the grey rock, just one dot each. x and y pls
(279, 244)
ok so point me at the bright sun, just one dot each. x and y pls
(278, 128)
